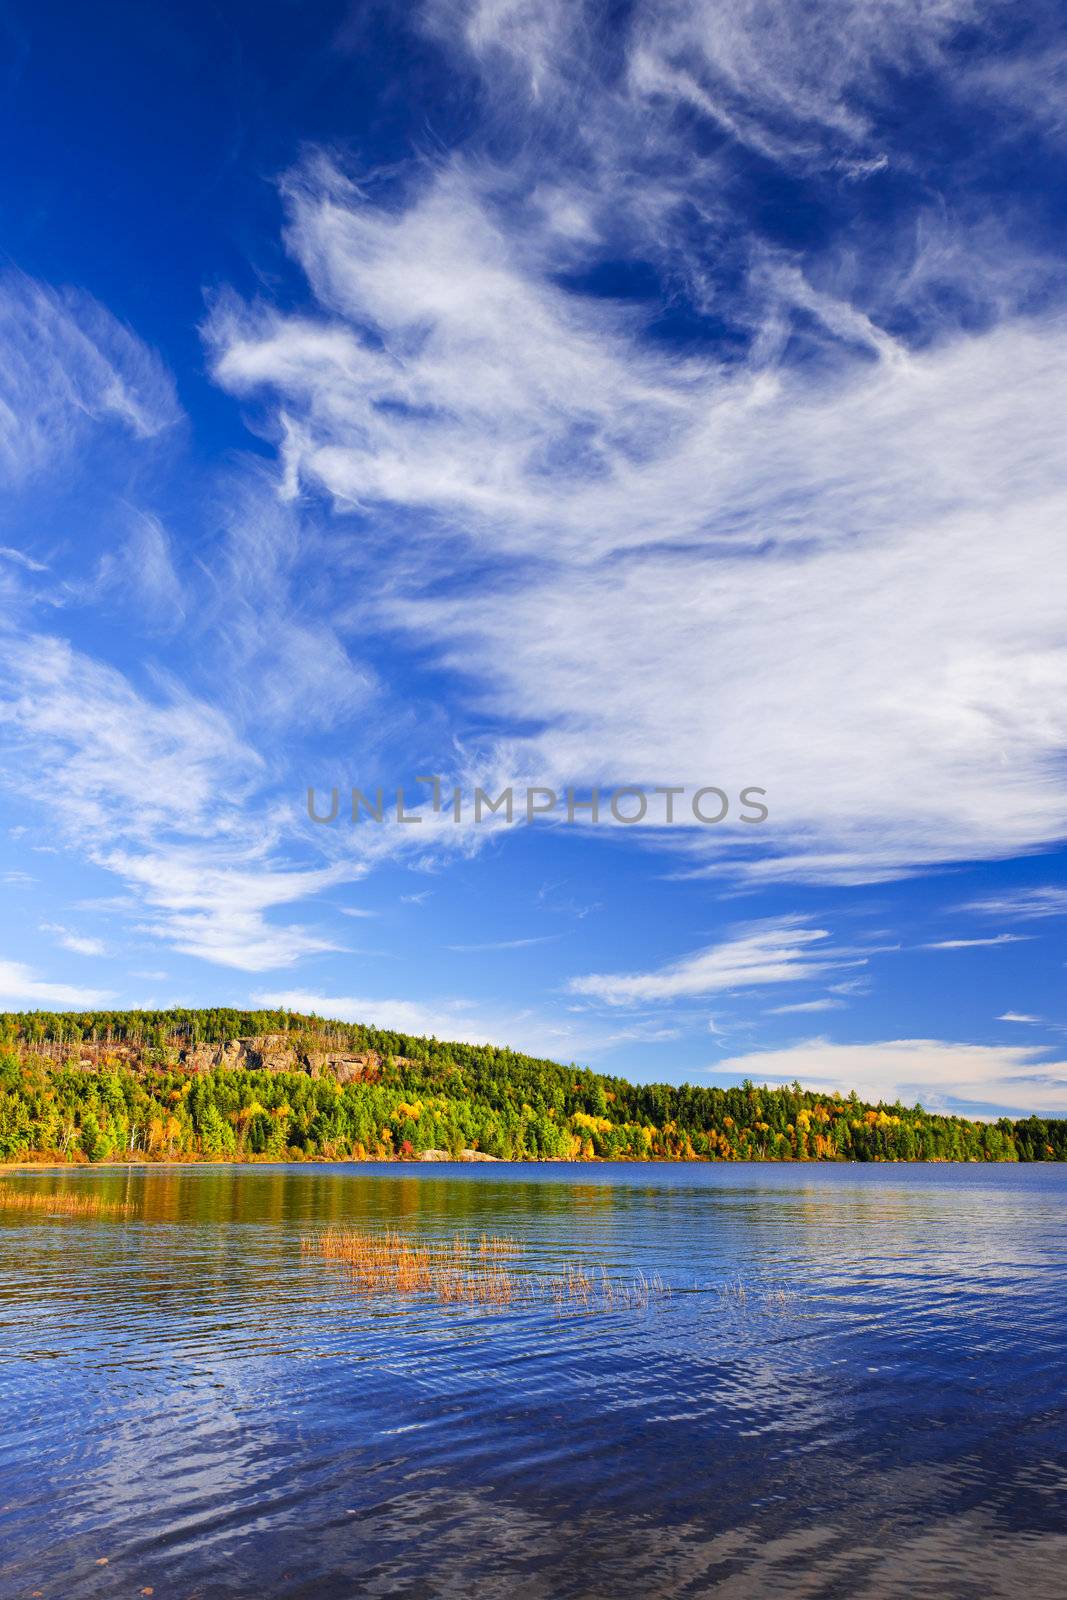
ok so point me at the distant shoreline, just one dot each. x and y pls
(500, 1161)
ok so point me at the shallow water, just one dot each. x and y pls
(855, 1388)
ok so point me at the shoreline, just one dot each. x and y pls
(483, 1160)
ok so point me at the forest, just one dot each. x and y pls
(228, 1085)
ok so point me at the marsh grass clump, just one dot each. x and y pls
(637, 1293)
(733, 1292)
(768, 1300)
(67, 1205)
(459, 1271)
(579, 1289)
(487, 1272)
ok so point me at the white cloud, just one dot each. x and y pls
(440, 283)
(84, 739)
(597, 113)
(1017, 1016)
(1011, 1079)
(163, 792)
(794, 82)
(852, 986)
(823, 576)
(213, 907)
(270, 622)
(68, 362)
(825, 580)
(826, 1004)
(174, 790)
(452, 1019)
(1049, 901)
(975, 944)
(505, 944)
(142, 571)
(802, 85)
(21, 559)
(766, 952)
(78, 944)
(538, 1033)
(20, 986)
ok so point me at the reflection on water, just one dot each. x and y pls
(855, 1387)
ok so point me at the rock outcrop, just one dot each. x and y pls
(266, 1053)
(446, 1155)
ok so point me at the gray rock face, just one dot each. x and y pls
(268, 1053)
(273, 1053)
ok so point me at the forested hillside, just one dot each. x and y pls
(272, 1085)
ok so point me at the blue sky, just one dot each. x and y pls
(544, 394)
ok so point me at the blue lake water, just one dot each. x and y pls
(855, 1387)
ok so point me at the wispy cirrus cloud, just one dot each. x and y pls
(1025, 904)
(67, 364)
(145, 776)
(976, 944)
(20, 986)
(212, 903)
(785, 951)
(1014, 1079)
(141, 570)
(270, 620)
(827, 1003)
(449, 1018)
(113, 757)
(79, 944)
(21, 559)
(786, 511)
(827, 573)
(162, 791)
(505, 944)
(801, 86)
(538, 1031)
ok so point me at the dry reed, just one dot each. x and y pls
(478, 1272)
(68, 1205)
(765, 1299)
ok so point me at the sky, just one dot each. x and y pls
(553, 396)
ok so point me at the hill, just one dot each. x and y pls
(273, 1085)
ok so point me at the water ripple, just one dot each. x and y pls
(854, 1389)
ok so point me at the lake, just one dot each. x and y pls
(848, 1381)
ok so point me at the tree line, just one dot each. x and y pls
(408, 1095)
